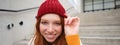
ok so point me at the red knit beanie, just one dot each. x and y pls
(51, 6)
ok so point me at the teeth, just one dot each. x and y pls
(50, 36)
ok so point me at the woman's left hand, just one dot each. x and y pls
(72, 25)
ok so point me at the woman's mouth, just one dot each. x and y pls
(50, 36)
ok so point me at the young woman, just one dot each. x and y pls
(53, 27)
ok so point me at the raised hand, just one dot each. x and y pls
(72, 25)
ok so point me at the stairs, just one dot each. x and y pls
(24, 41)
(100, 35)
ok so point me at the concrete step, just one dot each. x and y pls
(22, 42)
(25, 40)
(100, 35)
(100, 40)
(107, 27)
(99, 31)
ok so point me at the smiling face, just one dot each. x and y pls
(50, 27)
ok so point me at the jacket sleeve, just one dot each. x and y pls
(73, 39)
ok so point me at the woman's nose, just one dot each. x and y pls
(50, 28)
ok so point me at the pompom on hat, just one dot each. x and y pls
(51, 6)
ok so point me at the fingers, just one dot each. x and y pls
(67, 20)
(70, 20)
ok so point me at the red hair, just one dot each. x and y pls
(39, 39)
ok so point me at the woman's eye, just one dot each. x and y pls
(43, 22)
(58, 23)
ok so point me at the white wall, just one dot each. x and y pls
(16, 33)
(24, 4)
(19, 4)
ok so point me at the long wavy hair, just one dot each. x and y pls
(39, 39)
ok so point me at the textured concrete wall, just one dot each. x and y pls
(18, 32)
(107, 17)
